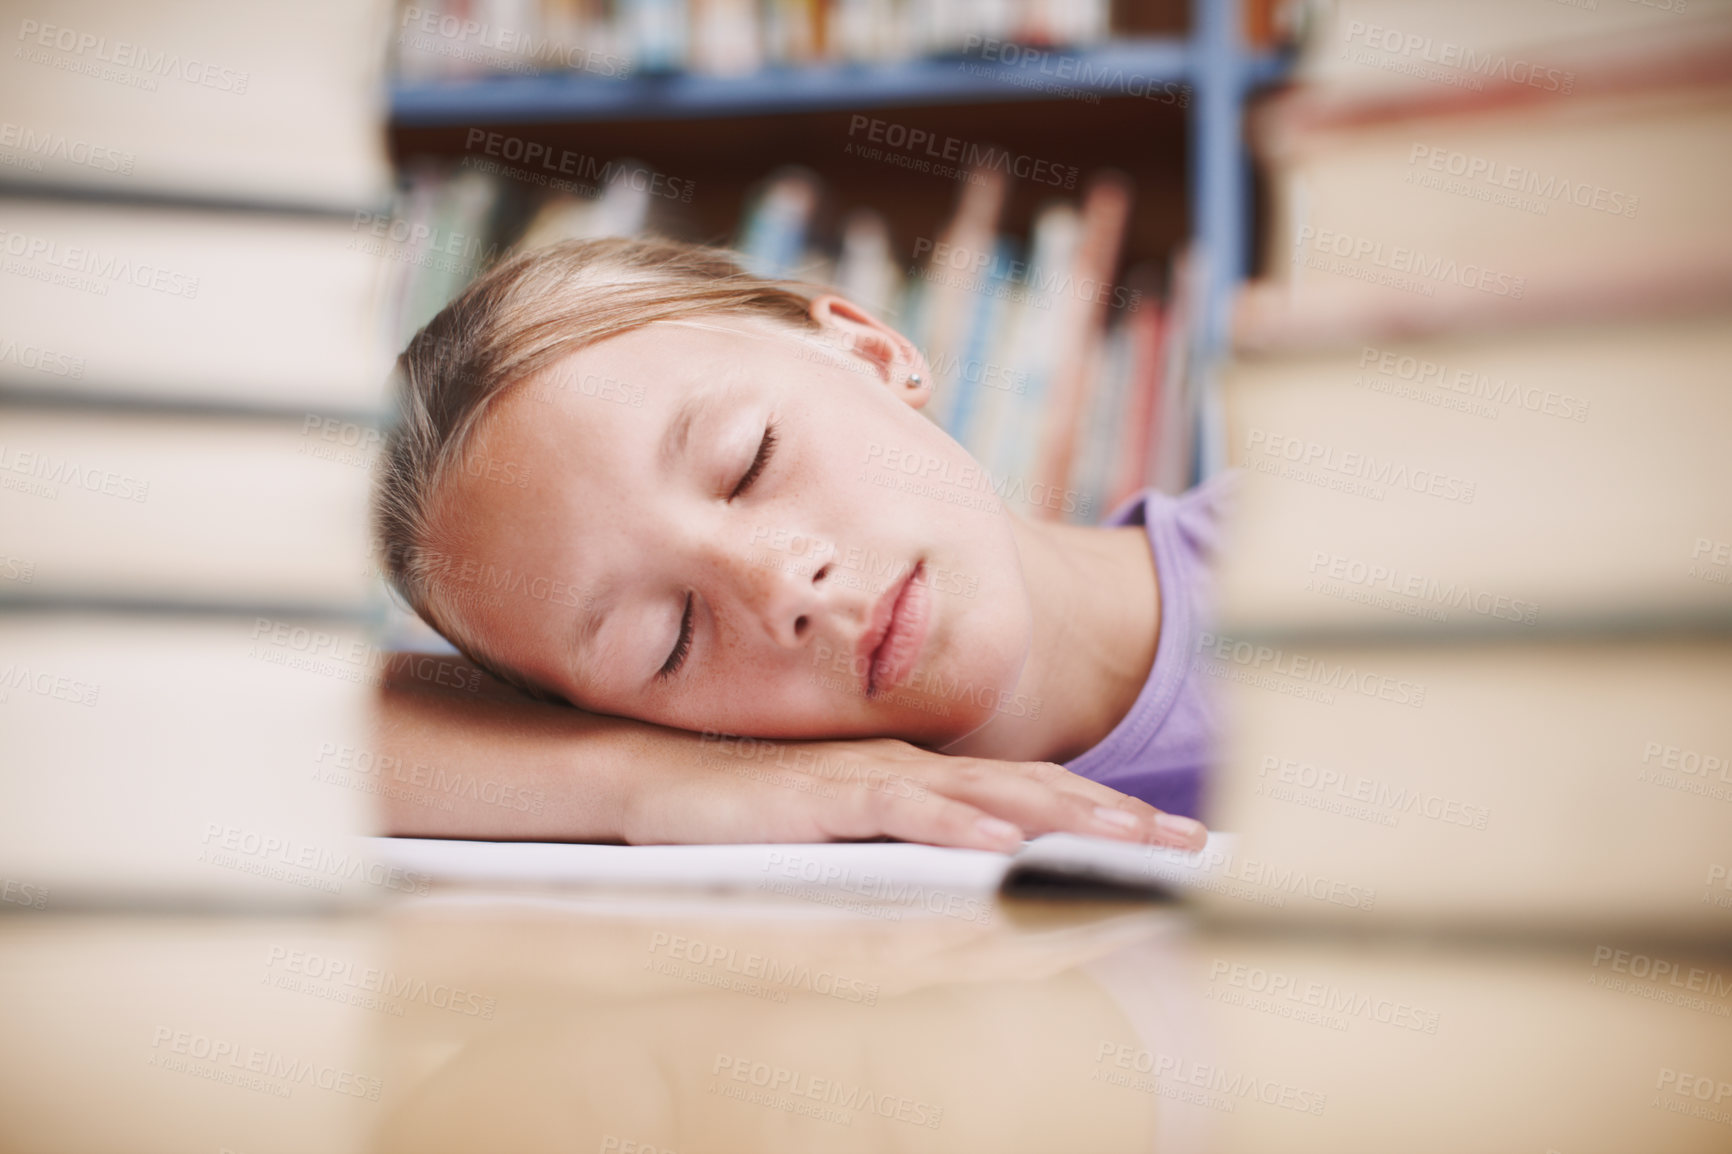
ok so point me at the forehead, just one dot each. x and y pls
(578, 453)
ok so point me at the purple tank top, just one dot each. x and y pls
(1161, 750)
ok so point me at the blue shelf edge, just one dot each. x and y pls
(1123, 68)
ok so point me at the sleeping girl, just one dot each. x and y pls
(734, 535)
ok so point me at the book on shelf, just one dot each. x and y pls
(214, 102)
(1079, 304)
(772, 241)
(461, 39)
(1147, 330)
(960, 264)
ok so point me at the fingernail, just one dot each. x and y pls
(1116, 818)
(1184, 828)
(998, 830)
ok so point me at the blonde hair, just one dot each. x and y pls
(521, 317)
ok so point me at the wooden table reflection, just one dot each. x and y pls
(638, 1024)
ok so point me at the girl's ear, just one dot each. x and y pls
(886, 355)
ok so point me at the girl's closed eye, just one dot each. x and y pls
(766, 448)
(682, 645)
(760, 461)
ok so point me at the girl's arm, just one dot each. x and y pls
(496, 765)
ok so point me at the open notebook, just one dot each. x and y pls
(895, 872)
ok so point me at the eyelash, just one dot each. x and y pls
(682, 646)
(766, 447)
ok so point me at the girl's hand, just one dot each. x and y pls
(742, 790)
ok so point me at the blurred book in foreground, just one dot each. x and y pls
(1475, 611)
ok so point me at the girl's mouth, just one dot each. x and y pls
(901, 621)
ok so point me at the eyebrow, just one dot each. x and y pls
(677, 439)
(584, 635)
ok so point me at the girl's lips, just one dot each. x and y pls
(910, 615)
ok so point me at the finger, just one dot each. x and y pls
(1146, 822)
(928, 817)
(1035, 806)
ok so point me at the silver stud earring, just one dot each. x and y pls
(913, 380)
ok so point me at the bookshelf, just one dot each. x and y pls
(1211, 60)
(935, 80)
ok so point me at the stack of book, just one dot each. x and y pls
(193, 366)
(1475, 605)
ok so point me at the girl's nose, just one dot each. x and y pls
(785, 595)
